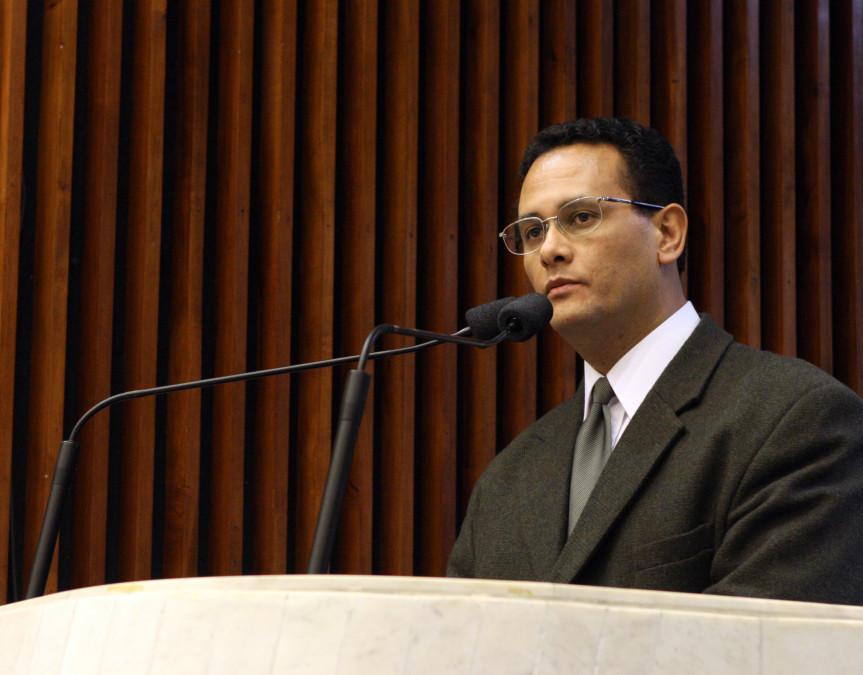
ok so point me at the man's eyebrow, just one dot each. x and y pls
(535, 214)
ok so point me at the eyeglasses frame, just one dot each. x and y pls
(545, 225)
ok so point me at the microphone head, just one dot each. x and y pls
(482, 320)
(525, 317)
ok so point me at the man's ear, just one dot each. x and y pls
(672, 225)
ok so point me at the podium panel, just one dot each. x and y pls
(359, 624)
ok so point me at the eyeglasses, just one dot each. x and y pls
(574, 219)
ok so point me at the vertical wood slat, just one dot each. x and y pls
(812, 111)
(232, 270)
(743, 175)
(668, 61)
(355, 247)
(51, 264)
(143, 259)
(269, 475)
(478, 242)
(437, 371)
(187, 231)
(395, 378)
(779, 316)
(313, 265)
(13, 27)
(632, 41)
(96, 313)
(847, 118)
(557, 93)
(705, 195)
(517, 363)
(596, 58)
(421, 156)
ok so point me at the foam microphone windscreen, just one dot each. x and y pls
(482, 320)
(525, 317)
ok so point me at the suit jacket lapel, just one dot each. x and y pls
(546, 474)
(650, 433)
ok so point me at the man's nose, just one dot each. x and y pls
(556, 245)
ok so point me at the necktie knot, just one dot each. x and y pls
(602, 391)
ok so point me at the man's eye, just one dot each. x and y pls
(533, 233)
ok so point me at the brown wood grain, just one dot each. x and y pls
(314, 240)
(814, 176)
(227, 454)
(96, 313)
(706, 198)
(355, 243)
(395, 377)
(558, 61)
(480, 223)
(846, 62)
(519, 119)
(778, 187)
(142, 268)
(743, 175)
(13, 27)
(270, 465)
(233, 185)
(596, 58)
(437, 293)
(51, 265)
(632, 42)
(668, 98)
(189, 156)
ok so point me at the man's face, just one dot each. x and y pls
(605, 283)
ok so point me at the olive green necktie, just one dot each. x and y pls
(592, 448)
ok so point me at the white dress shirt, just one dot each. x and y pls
(638, 370)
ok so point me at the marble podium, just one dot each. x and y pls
(353, 624)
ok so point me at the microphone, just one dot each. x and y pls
(518, 319)
(483, 322)
(525, 317)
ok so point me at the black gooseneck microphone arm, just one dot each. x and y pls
(481, 320)
(518, 320)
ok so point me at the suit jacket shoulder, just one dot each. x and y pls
(717, 485)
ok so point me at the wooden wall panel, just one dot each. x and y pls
(705, 177)
(557, 93)
(812, 112)
(356, 262)
(220, 185)
(436, 466)
(517, 365)
(96, 311)
(778, 186)
(51, 262)
(743, 173)
(314, 240)
(846, 65)
(187, 159)
(227, 450)
(13, 20)
(396, 382)
(142, 267)
(273, 251)
(480, 223)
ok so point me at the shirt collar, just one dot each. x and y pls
(634, 375)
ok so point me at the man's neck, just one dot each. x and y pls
(604, 347)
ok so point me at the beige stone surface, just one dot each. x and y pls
(348, 624)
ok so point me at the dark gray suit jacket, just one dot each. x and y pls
(741, 474)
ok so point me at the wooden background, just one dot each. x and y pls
(204, 187)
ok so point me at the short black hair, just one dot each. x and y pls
(653, 173)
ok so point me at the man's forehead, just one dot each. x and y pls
(574, 171)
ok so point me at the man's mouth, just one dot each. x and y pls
(557, 287)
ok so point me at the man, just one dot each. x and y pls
(712, 467)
